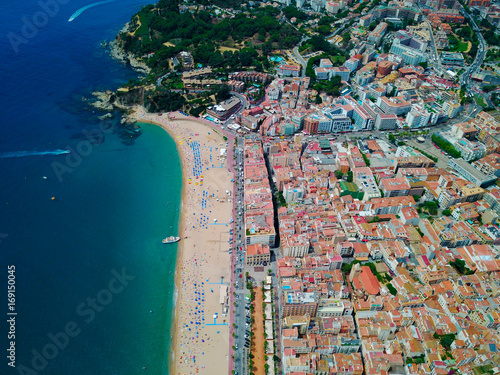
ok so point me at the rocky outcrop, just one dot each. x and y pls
(117, 52)
(122, 99)
(103, 100)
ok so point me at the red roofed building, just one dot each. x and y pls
(257, 254)
(395, 187)
(364, 280)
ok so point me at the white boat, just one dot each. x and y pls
(171, 239)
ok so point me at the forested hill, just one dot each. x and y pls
(163, 30)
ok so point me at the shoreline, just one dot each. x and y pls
(117, 52)
(203, 257)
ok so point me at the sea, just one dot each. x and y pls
(84, 202)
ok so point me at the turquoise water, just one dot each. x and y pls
(113, 202)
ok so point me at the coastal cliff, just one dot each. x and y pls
(122, 98)
(118, 52)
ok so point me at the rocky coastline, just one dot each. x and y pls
(118, 53)
(107, 101)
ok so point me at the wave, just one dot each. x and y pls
(83, 9)
(20, 154)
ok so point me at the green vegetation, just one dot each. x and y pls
(445, 340)
(330, 51)
(480, 101)
(392, 290)
(495, 98)
(164, 100)
(463, 38)
(292, 11)
(202, 34)
(222, 92)
(281, 200)
(485, 369)
(339, 174)
(464, 99)
(445, 145)
(457, 45)
(423, 64)
(350, 176)
(325, 25)
(433, 158)
(489, 33)
(331, 87)
(367, 161)
(431, 207)
(461, 267)
(347, 267)
(446, 212)
(489, 88)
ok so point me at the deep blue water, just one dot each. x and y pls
(114, 199)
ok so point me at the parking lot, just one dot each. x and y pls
(429, 148)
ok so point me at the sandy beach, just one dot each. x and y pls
(201, 331)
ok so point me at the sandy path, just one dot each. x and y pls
(258, 330)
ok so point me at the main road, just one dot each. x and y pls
(465, 78)
(434, 54)
(300, 59)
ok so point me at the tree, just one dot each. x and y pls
(416, 197)
(346, 267)
(339, 174)
(366, 160)
(446, 340)
(446, 212)
(350, 176)
(461, 267)
(318, 99)
(223, 92)
(392, 290)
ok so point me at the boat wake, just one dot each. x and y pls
(83, 9)
(20, 154)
